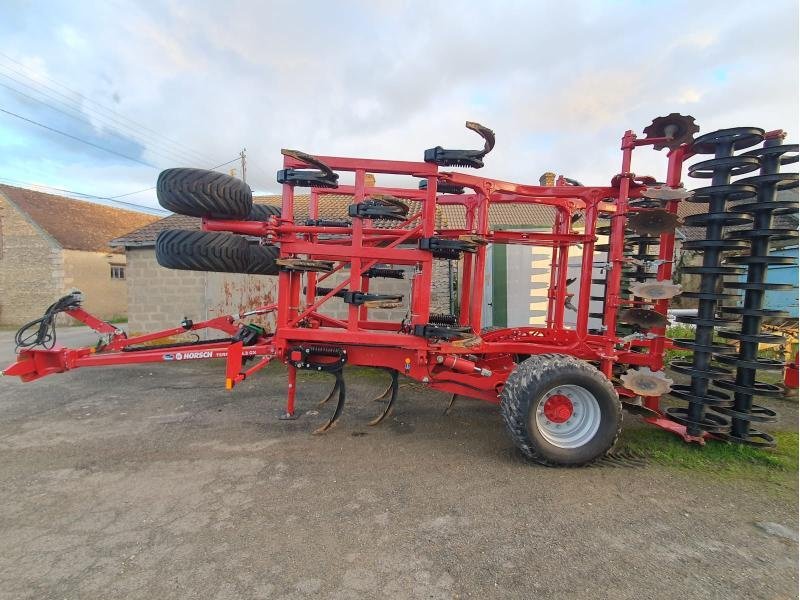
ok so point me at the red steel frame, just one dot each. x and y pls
(478, 371)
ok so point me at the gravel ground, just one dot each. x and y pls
(154, 482)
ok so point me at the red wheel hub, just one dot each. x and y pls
(558, 408)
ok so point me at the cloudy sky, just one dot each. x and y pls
(154, 84)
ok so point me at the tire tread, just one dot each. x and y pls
(516, 400)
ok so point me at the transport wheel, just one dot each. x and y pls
(261, 260)
(560, 411)
(201, 193)
(203, 251)
(262, 212)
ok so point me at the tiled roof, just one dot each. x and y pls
(75, 224)
(335, 207)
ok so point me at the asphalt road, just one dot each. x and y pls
(154, 482)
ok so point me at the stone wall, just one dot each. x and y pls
(31, 268)
(90, 272)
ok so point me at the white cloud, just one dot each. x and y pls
(559, 82)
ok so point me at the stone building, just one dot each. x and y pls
(50, 245)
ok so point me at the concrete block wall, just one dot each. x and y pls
(159, 298)
(31, 267)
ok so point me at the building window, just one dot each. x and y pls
(117, 272)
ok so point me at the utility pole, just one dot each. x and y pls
(243, 156)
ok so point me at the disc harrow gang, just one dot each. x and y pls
(361, 286)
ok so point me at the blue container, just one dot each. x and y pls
(783, 300)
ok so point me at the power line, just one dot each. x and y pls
(81, 117)
(107, 109)
(141, 162)
(110, 199)
(154, 187)
(148, 140)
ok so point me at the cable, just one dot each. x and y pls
(96, 103)
(111, 199)
(45, 333)
(141, 162)
(81, 118)
(154, 187)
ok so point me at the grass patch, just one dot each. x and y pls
(718, 458)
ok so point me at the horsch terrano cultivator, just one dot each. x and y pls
(558, 387)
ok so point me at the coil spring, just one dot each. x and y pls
(324, 291)
(443, 319)
(328, 223)
(385, 273)
(320, 350)
(698, 394)
(745, 385)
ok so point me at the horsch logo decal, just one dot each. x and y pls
(193, 355)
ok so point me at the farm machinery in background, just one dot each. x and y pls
(558, 387)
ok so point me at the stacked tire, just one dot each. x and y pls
(201, 193)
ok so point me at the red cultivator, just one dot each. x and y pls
(553, 382)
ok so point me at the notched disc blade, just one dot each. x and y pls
(643, 317)
(646, 382)
(662, 192)
(653, 222)
(655, 290)
(678, 129)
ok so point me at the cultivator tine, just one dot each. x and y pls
(383, 395)
(324, 177)
(392, 399)
(450, 405)
(463, 158)
(327, 398)
(339, 406)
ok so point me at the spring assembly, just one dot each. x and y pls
(443, 319)
(385, 272)
(745, 385)
(698, 395)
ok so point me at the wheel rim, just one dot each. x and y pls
(568, 416)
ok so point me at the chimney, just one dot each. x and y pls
(548, 179)
(369, 180)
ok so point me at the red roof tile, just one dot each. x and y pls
(75, 224)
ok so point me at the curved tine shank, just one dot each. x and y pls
(390, 404)
(486, 133)
(329, 396)
(339, 406)
(450, 405)
(309, 160)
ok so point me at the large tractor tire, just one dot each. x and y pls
(201, 193)
(261, 260)
(202, 251)
(262, 212)
(561, 411)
